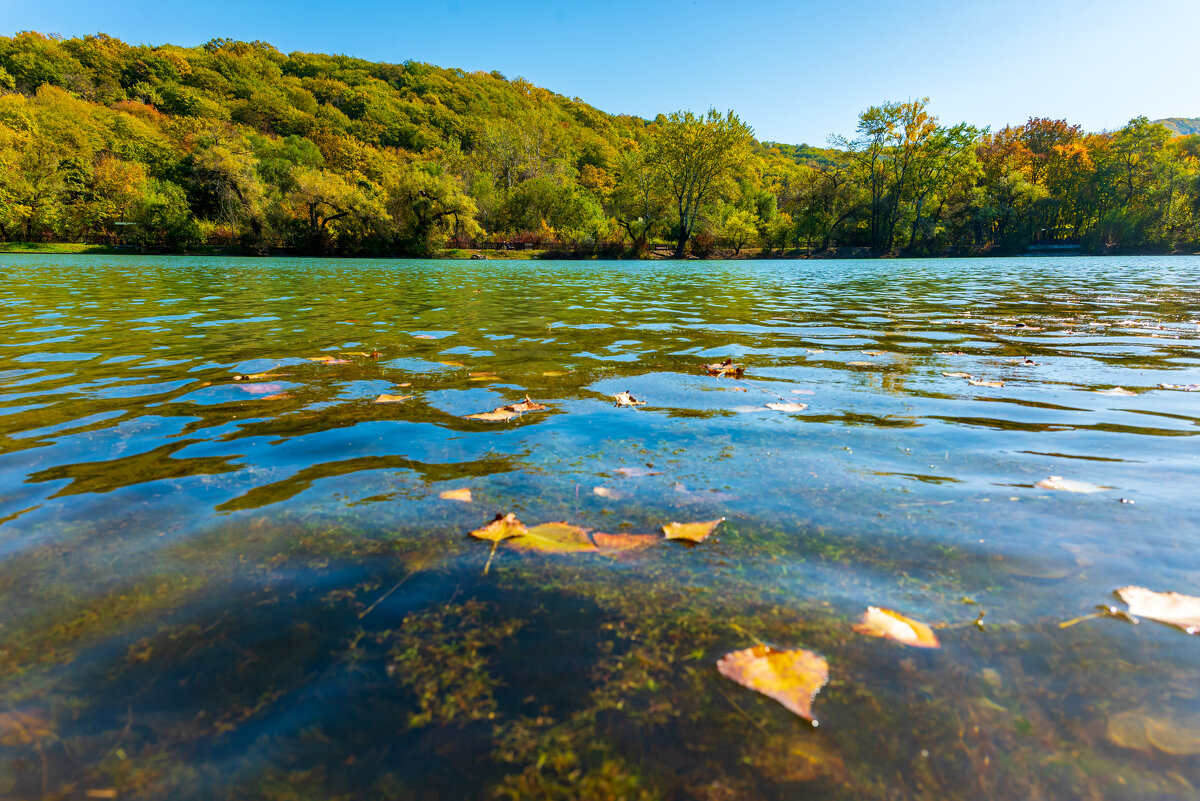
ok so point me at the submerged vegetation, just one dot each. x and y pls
(236, 145)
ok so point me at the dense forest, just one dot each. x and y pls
(236, 145)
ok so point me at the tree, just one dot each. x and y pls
(696, 159)
(740, 227)
(637, 202)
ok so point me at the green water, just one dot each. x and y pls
(251, 589)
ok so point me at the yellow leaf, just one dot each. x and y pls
(693, 532)
(878, 622)
(624, 542)
(503, 527)
(791, 677)
(385, 398)
(463, 495)
(556, 537)
(554, 373)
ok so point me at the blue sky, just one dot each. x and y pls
(795, 71)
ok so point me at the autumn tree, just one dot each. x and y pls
(697, 159)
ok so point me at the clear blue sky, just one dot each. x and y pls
(796, 71)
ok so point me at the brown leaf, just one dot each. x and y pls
(958, 375)
(693, 532)
(791, 677)
(385, 398)
(878, 622)
(503, 527)
(558, 537)
(625, 399)
(1172, 608)
(874, 353)
(463, 494)
(975, 383)
(527, 406)
(501, 415)
(788, 407)
(726, 367)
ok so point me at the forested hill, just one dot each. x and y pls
(1185, 126)
(236, 144)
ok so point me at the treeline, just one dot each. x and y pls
(236, 144)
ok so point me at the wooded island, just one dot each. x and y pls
(239, 147)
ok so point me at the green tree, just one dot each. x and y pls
(697, 159)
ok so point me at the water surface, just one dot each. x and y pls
(215, 588)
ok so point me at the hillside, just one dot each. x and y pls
(237, 145)
(1184, 126)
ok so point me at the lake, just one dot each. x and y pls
(228, 572)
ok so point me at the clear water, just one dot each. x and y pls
(251, 589)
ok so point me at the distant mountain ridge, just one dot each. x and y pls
(1182, 125)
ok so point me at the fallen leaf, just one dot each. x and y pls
(449, 363)
(791, 677)
(625, 399)
(527, 406)
(463, 495)
(874, 353)
(405, 384)
(558, 537)
(958, 375)
(554, 373)
(950, 353)
(1067, 485)
(1172, 608)
(624, 542)
(787, 407)
(861, 364)
(423, 336)
(693, 532)
(1116, 392)
(483, 377)
(504, 413)
(385, 398)
(638, 472)
(327, 360)
(262, 389)
(726, 367)
(879, 622)
(502, 528)
(611, 494)
(985, 383)
(501, 415)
